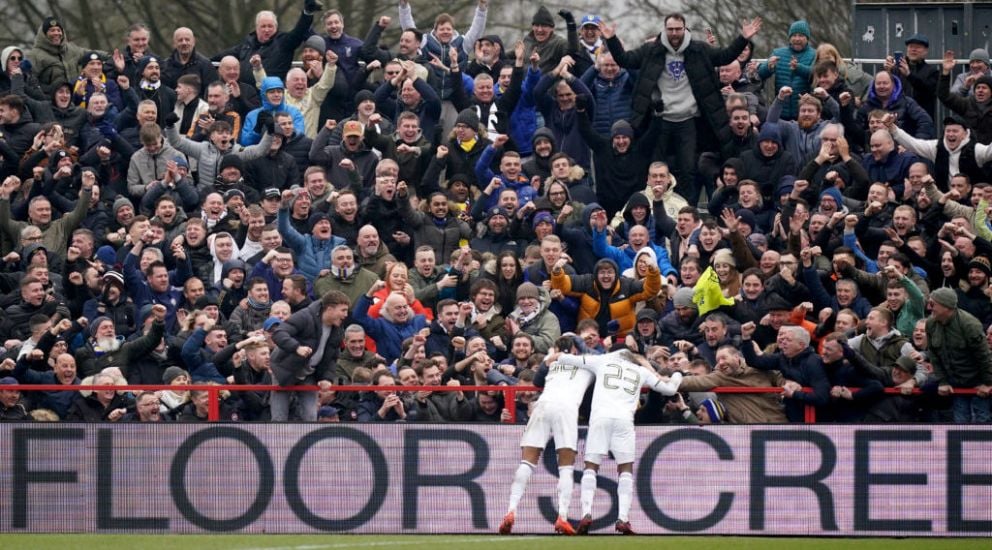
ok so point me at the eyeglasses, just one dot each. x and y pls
(14, 58)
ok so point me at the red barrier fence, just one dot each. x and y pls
(509, 392)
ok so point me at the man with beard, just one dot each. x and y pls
(497, 237)
(975, 300)
(408, 48)
(371, 253)
(150, 87)
(105, 348)
(147, 408)
(16, 124)
(674, 70)
(801, 137)
(186, 60)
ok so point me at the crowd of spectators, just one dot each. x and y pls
(312, 208)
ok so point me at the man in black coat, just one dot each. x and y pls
(185, 60)
(307, 345)
(276, 48)
(677, 81)
(919, 78)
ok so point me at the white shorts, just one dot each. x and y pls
(608, 435)
(561, 423)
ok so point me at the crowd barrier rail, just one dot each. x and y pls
(509, 392)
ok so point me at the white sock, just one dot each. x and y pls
(520, 479)
(588, 491)
(625, 494)
(565, 483)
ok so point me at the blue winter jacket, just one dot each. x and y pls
(312, 254)
(248, 134)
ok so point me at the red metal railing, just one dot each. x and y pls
(509, 392)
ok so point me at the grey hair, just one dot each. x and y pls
(801, 334)
(833, 126)
(263, 13)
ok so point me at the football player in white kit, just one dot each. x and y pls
(555, 415)
(620, 375)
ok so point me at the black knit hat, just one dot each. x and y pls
(231, 160)
(364, 95)
(50, 22)
(89, 56)
(543, 17)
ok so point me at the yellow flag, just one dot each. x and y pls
(707, 294)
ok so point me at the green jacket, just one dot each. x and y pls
(55, 65)
(912, 311)
(354, 286)
(959, 351)
(55, 235)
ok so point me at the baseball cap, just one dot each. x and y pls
(8, 381)
(271, 323)
(272, 193)
(352, 128)
(591, 19)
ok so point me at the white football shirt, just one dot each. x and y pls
(619, 382)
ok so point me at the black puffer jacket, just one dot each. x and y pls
(701, 62)
(277, 53)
